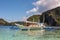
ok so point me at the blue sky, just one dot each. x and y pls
(15, 10)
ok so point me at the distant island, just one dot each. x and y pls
(5, 23)
(50, 18)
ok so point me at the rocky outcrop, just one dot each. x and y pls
(51, 17)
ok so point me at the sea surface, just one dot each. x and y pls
(15, 33)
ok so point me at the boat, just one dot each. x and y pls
(37, 26)
(31, 27)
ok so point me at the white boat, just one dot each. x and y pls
(31, 27)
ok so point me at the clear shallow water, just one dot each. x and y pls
(14, 33)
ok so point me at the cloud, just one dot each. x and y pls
(44, 5)
(38, 3)
(32, 10)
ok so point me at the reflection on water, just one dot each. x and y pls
(6, 33)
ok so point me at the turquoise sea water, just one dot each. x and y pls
(14, 33)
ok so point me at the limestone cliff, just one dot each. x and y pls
(50, 17)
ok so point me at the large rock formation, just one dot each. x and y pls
(50, 17)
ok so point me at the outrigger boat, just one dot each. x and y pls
(39, 27)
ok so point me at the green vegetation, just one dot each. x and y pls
(35, 18)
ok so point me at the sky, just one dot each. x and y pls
(15, 10)
(20, 10)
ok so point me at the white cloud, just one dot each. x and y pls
(38, 3)
(44, 5)
(32, 10)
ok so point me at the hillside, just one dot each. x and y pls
(5, 23)
(34, 18)
(50, 17)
